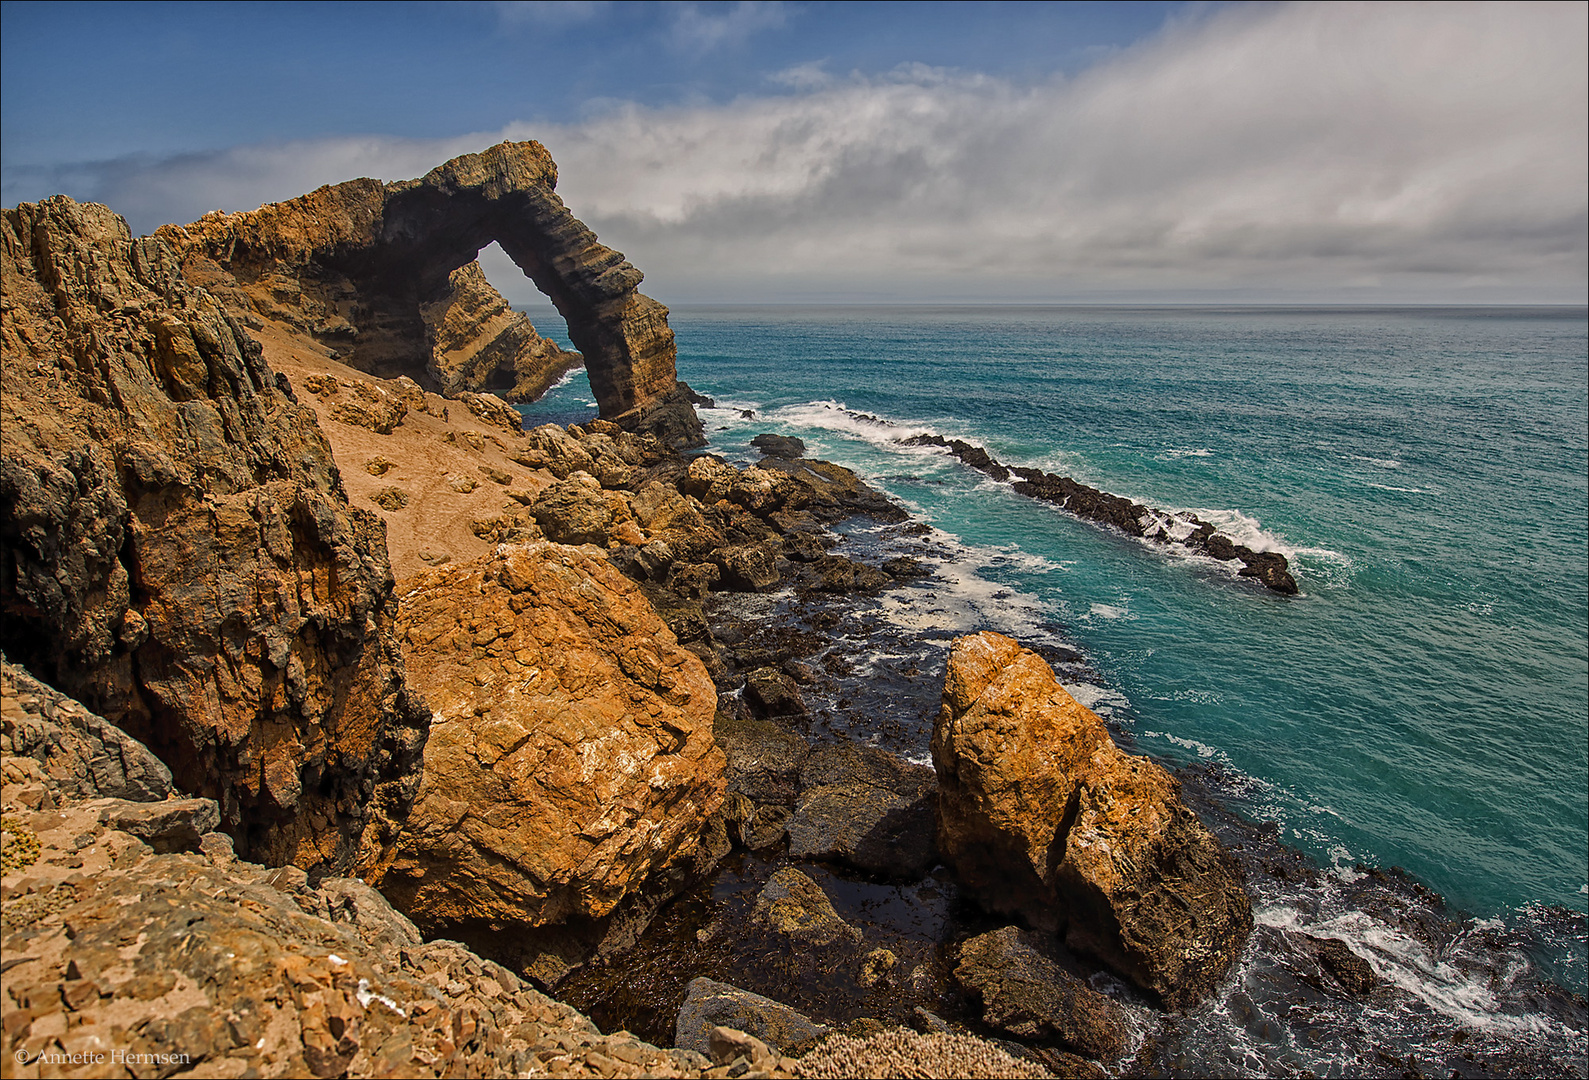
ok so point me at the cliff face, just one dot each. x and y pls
(177, 551)
(370, 270)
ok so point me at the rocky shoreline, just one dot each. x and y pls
(346, 722)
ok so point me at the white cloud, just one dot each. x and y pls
(1410, 152)
(696, 30)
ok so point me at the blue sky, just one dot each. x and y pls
(818, 151)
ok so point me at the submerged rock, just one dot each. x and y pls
(794, 906)
(1043, 816)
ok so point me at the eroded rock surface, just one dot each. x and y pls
(385, 275)
(1043, 816)
(571, 755)
(479, 343)
(177, 550)
(195, 962)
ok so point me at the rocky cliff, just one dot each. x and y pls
(177, 551)
(370, 269)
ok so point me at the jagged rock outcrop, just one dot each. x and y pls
(571, 758)
(135, 946)
(478, 342)
(372, 270)
(177, 551)
(1042, 816)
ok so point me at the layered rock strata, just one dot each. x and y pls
(1134, 519)
(177, 550)
(1044, 817)
(479, 343)
(570, 759)
(381, 273)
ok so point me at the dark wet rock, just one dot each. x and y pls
(1268, 567)
(709, 1004)
(803, 547)
(749, 568)
(1131, 518)
(865, 808)
(694, 579)
(836, 574)
(1350, 971)
(1067, 1065)
(772, 693)
(905, 567)
(795, 907)
(755, 827)
(698, 400)
(974, 456)
(836, 492)
(1027, 994)
(785, 446)
(763, 759)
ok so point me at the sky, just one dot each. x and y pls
(852, 152)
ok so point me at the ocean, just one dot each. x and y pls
(1423, 703)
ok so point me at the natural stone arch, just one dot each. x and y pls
(375, 271)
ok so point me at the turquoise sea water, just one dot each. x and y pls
(1423, 703)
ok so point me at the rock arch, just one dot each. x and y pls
(385, 274)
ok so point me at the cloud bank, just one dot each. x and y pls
(1331, 152)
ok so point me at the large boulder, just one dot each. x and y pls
(571, 755)
(1044, 817)
(578, 511)
(177, 550)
